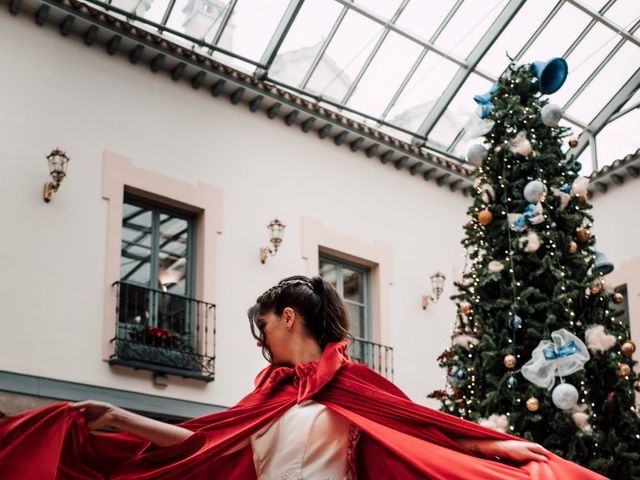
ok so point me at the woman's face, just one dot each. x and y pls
(277, 336)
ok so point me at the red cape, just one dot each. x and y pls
(400, 439)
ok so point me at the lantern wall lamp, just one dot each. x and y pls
(437, 283)
(58, 161)
(276, 230)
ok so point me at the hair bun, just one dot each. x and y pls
(318, 285)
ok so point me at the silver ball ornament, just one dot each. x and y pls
(565, 396)
(476, 154)
(551, 114)
(535, 191)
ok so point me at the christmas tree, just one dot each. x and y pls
(539, 348)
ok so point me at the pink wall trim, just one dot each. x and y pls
(377, 256)
(119, 175)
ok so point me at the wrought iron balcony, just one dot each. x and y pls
(164, 332)
(378, 357)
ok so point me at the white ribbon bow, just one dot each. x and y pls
(564, 355)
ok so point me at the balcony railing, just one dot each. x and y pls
(164, 332)
(377, 357)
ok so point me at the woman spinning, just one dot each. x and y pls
(313, 415)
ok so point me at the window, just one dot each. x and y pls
(158, 324)
(352, 283)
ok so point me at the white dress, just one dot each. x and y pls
(308, 442)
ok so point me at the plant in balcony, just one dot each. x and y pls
(157, 346)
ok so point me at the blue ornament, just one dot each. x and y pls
(512, 382)
(461, 374)
(515, 322)
(566, 188)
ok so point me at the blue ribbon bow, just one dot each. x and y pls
(530, 211)
(566, 188)
(564, 351)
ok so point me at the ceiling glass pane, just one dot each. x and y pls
(586, 162)
(251, 27)
(198, 18)
(385, 74)
(422, 18)
(595, 5)
(624, 13)
(425, 87)
(303, 41)
(381, 8)
(513, 38)
(468, 25)
(618, 139)
(150, 9)
(352, 43)
(558, 35)
(460, 109)
(586, 57)
(612, 77)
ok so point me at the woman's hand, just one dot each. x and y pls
(97, 414)
(520, 451)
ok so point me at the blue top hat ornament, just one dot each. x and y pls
(551, 75)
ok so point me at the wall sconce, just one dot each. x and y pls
(58, 170)
(276, 230)
(437, 282)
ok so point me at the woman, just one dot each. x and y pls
(313, 415)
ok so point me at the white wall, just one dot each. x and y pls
(55, 91)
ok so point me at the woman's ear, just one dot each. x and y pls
(289, 317)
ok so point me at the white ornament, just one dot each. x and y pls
(464, 340)
(598, 340)
(579, 186)
(564, 197)
(551, 114)
(565, 396)
(581, 420)
(495, 266)
(476, 154)
(477, 127)
(563, 355)
(495, 422)
(521, 145)
(530, 243)
(535, 191)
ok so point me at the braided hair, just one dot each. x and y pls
(317, 301)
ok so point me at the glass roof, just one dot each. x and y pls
(411, 67)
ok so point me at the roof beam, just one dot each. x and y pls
(616, 102)
(278, 36)
(223, 24)
(479, 51)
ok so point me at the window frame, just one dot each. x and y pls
(340, 263)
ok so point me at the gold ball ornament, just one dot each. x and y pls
(509, 361)
(617, 298)
(583, 235)
(533, 404)
(595, 288)
(485, 217)
(623, 370)
(628, 347)
(573, 247)
(465, 308)
(573, 143)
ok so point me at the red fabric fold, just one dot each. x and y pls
(400, 439)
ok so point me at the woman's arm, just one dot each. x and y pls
(102, 414)
(519, 451)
